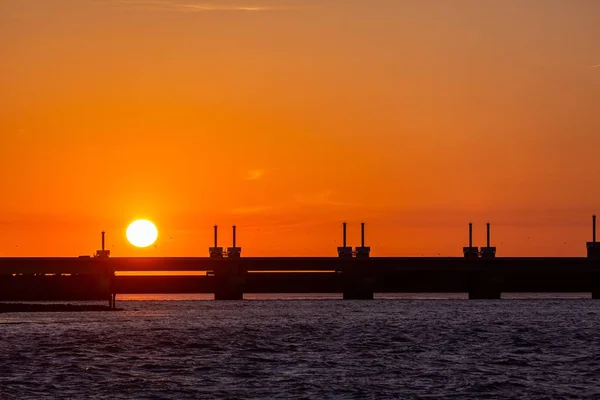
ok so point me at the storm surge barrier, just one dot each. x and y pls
(53, 279)
(354, 273)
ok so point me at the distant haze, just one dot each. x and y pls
(287, 117)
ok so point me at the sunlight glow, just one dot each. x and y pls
(142, 233)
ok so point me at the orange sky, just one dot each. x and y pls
(287, 117)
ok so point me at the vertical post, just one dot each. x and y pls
(233, 236)
(470, 234)
(344, 234)
(103, 233)
(488, 234)
(362, 234)
(594, 228)
(216, 227)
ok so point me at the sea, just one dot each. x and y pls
(307, 347)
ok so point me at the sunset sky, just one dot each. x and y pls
(287, 117)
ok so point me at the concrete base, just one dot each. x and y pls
(229, 282)
(229, 294)
(488, 252)
(345, 252)
(485, 294)
(471, 252)
(593, 250)
(363, 252)
(215, 252)
(358, 294)
(358, 283)
(234, 252)
(485, 286)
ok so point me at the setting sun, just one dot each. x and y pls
(142, 233)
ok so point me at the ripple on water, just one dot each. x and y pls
(306, 349)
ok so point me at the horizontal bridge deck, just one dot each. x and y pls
(74, 265)
(94, 278)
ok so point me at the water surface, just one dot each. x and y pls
(315, 347)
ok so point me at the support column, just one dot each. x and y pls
(215, 251)
(594, 278)
(109, 276)
(593, 247)
(471, 252)
(485, 285)
(358, 281)
(344, 251)
(362, 251)
(229, 281)
(488, 251)
(234, 252)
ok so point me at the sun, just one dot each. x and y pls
(141, 233)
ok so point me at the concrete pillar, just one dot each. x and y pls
(485, 285)
(593, 247)
(215, 251)
(594, 278)
(488, 251)
(362, 251)
(108, 284)
(358, 281)
(229, 280)
(471, 252)
(344, 251)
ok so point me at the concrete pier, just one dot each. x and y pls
(229, 278)
(358, 281)
(485, 285)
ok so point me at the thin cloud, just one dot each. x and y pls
(219, 7)
(595, 66)
(190, 6)
(325, 198)
(251, 210)
(255, 174)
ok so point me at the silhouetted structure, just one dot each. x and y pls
(234, 251)
(362, 251)
(593, 247)
(103, 253)
(471, 252)
(488, 251)
(344, 251)
(485, 277)
(215, 251)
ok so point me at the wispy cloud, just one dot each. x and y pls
(255, 174)
(219, 7)
(192, 6)
(325, 197)
(595, 66)
(251, 210)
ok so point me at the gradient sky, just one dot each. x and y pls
(287, 117)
